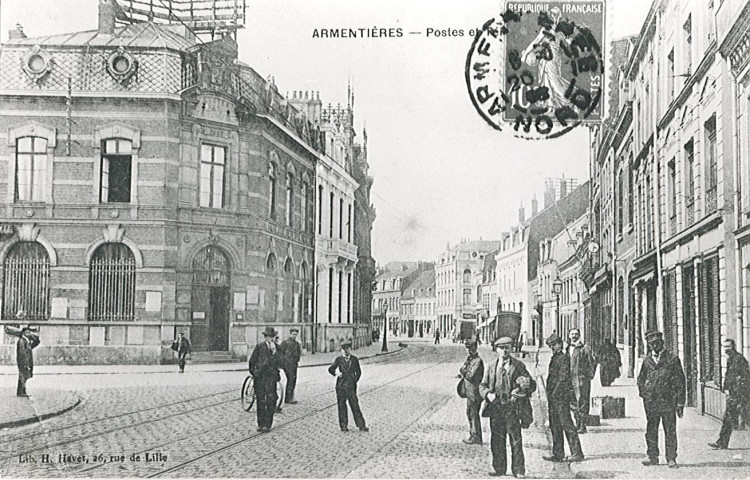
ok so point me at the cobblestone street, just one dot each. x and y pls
(417, 423)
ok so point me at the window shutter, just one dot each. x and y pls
(703, 325)
(716, 322)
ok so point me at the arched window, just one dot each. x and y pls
(288, 267)
(289, 198)
(26, 281)
(112, 283)
(304, 205)
(211, 267)
(271, 263)
(467, 276)
(272, 190)
(31, 169)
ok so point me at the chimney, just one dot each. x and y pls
(16, 32)
(563, 187)
(521, 214)
(534, 206)
(549, 195)
(106, 17)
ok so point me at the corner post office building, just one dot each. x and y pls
(151, 184)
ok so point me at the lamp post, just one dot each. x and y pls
(385, 327)
(556, 289)
(540, 319)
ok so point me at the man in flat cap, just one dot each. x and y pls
(560, 393)
(661, 384)
(25, 345)
(291, 352)
(505, 388)
(347, 377)
(737, 386)
(264, 365)
(471, 374)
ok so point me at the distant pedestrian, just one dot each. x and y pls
(291, 352)
(181, 345)
(471, 374)
(505, 406)
(610, 363)
(349, 373)
(582, 369)
(264, 365)
(661, 384)
(737, 386)
(25, 345)
(559, 395)
(437, 337)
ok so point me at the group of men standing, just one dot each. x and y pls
(269, 357)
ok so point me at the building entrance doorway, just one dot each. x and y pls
(690, 347)
(210, 301)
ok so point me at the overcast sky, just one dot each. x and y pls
(441, 173)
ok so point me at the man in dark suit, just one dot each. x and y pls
(559, 395)
(661, 384)
(291, 352)
(264, 365)
(737, 386)
(504, 403)
(25, 357)
(582, 369)
(181, 345)
(347, 377)
(471, 374)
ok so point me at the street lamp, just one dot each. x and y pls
(556, 289)
(385, 327)
(540, 318)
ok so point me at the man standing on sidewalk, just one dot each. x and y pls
(25, 356)
(471, 375)
(291, 352)
(737, 386)
(264, 365)
(582, 368)
(661, 384)
(559, 396)
(497, 389)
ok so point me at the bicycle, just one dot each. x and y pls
(247, 394)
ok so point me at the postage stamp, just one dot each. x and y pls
(539, 67)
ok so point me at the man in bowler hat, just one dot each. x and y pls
(291, 352)
(661, 384)
(559, 395)
(504, 402)
(25, 355)
(737, 386)
(264, 365)
(471, 374)
(347, 377)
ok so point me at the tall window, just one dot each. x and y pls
(272, 190)
(467, 296)
(671, 77)
(330, 295)
(330, 227)
(711, 167)
(467, 276)
(304, 202)
(341, 218)
(213, 161)
(341, 295)
(112, 283)
(26, 281)
(687, 28)
(349, 288)
(289, 198)
(630, 194)
(320, 209)
(116, 171)
(689, 184)
(672, 192)
(620, 198)
(31, 168)
(349, 225)
(710, 324)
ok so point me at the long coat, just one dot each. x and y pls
(582, 366)
(291, 352)
(351, 373)
(472, 373)
(25, 356)
(662, 384)
(737, 379)
(264, 365)
(516, 370)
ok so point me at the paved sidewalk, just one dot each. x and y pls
(42, 404)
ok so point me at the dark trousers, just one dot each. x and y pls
(348, 395)
(21, 387)
(266, 397)
(475, 424)
(504, 422)
(291, 382)
(735, 407)
(561, 422)
(181, 360)
(581, 405)
(668, 419)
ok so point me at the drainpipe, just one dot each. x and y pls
(657, 180)
(741, 333)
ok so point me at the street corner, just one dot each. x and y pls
(38, 406)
